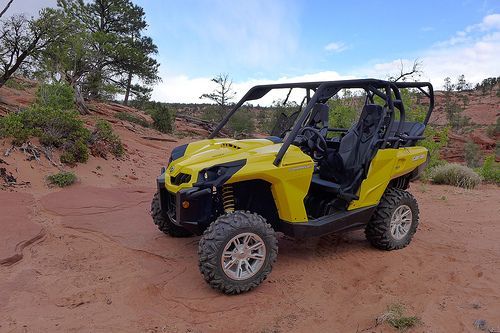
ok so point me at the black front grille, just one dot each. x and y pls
(171, 205)
(180, 179)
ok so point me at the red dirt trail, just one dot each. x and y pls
(102, 266)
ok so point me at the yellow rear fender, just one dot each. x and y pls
(387, 164)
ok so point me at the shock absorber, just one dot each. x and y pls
(228, 198)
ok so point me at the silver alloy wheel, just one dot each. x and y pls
(243, 256)
(401, 221)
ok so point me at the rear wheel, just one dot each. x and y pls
(237, 252)
(164, 224)
(394, 222)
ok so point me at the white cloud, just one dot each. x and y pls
(336, 47)
(183, 89)
(489, 22)
(474, 52)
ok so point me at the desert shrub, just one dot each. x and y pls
(341, 114)
(494, 129)
(213, 113)
(415, 110)
(270, 117)
(456, 175)
(395, 316)
(103, 141)
(241, 124)
(12, 126)
(163, 120)
(16, 84)
(62, 179)
(490, 171)
(57, 95)
(434, 141)
(472, 154)
(76, 152)
(132, 118)
(54, 127)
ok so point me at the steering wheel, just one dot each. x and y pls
(315, 141)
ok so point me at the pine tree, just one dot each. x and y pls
(106, 49)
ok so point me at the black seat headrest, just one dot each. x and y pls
(370, 117)
(320, 113)
(370, 109)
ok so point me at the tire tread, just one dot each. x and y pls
(378, 229)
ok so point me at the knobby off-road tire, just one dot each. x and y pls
(394, 222)
(163, 223)
(224, 242)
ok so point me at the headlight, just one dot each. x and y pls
(218, 174)
(213, 173)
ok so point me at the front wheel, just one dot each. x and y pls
(237, 252)
(394, 222)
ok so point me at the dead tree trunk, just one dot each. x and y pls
(127, 92)
(80, 101)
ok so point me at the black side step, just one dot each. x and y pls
(337, 222)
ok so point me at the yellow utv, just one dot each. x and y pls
(307, 179)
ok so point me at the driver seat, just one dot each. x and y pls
(345, 165)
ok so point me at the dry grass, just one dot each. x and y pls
(395, 316)
(456, 175)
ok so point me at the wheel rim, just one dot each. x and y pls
(401, 221)
(243, 256)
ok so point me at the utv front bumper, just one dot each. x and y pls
(189, 208)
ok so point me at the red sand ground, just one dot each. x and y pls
(102, 266)
(89, 259)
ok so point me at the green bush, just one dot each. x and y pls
(456, 175)
(343, 113)
(241, 124)
(132, 118)
(490, 171)
(76, 152)
(16, 84)
(12, 126)
(103, 141)
(472, 154)
(54, 127)
(415, 111)
(162, 118)
(213, 113)
(434, 141)
(62, 179)
(59, 96)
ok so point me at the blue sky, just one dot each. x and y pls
(263, 41)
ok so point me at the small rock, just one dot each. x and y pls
(480, 324)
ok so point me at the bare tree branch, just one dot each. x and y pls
(224, 91)
(416, 70)
(6, 8)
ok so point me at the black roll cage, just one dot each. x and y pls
(386, 90)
